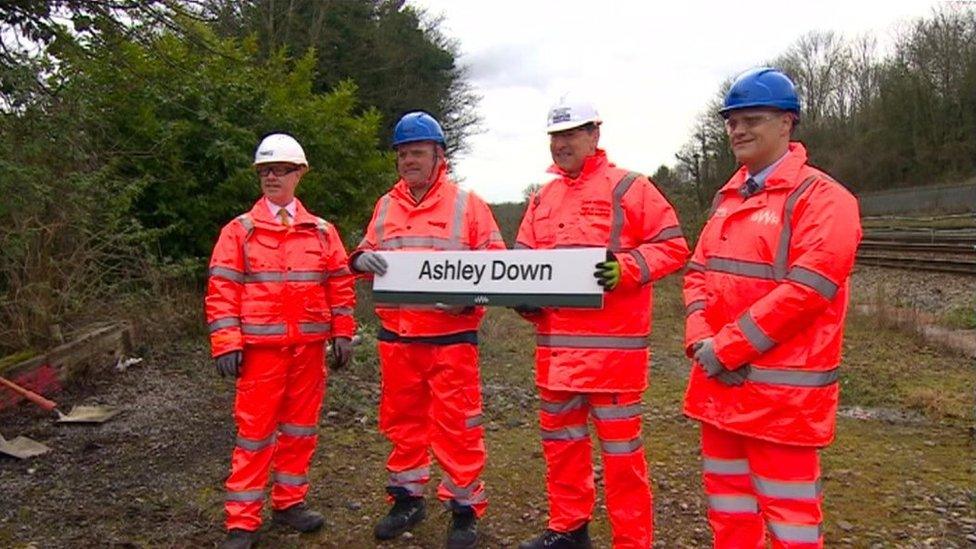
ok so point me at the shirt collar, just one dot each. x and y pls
(760, 177)
(291, 208)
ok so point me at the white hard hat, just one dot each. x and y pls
(571, 113)
(279, 147)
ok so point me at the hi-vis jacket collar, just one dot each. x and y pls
(401, 190)
(785, 176)
(260, 214)
(592, 163)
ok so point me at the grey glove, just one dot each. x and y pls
(229, 364)
(341, 352)
(527, 310)
(734, 378)
(370, 262)
(705, 355)
(453, 309)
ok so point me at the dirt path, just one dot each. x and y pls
(153, 476)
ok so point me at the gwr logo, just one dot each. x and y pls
(765, 217)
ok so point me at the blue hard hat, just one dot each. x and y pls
(762, 87)
(418, 126)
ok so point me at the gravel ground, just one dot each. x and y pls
(934, 293)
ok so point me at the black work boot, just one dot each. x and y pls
(240, 539)
(299, 517)
(551, 539)
(463, 533)
(406, 512)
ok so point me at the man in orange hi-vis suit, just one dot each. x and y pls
(431, 393)
(594, 362)
(766, 295)
(279, 288)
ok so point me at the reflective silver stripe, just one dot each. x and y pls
(574, 403)
(465, 496)
(222, 323)
(282, 276)
(573, 432)
(413, 488)
(273, 276)
(460, 205)
(592, 342)
(821, 284)
(740, 267)
(787, 489)
(226, 272)
(314, 327)
(618, 447)
(322, 225)
(248, 224)
(617, 412)
(759, 340)
(694, 306)
(306, 276)
(410, 475)
(733, 504)
(695, 266)
(341, 311)
(795, 532)
(290, 480)
(617, 208)
(293, 430)
(246, 221)
(473, 421)
(725, 466)
(263, 329)
(796, 378)
(644, 269)
(342, 271)
(667, 233)
(434, 242)
(380, 223)
(245, 497)
(716, 200)
(521, 246)
(255, 445)
(783, 251)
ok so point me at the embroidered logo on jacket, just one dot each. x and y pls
(765, 217)
(440, 224)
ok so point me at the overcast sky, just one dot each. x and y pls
(649, 67)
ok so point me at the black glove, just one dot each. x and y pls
(229, 364)
(341, 352)
(525, 309)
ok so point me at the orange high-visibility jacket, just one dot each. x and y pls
(446, 218)
(602, 349)
(276, 285)
(769, 281)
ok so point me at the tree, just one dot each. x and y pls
(396, 54)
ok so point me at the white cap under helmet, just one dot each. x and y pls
(279, 147)
(571, 113)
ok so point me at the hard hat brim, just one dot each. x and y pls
(570, 124)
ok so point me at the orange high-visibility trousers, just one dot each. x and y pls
(569, 471)
(753, 484)
(431, 401)
(279, 399)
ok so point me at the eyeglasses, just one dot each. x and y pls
(279, 171)
(747, 121)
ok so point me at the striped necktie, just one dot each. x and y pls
(284, 217)
(749, 188)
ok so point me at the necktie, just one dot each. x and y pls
(749, 188)
(284, 217)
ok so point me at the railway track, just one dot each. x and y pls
(941, 265)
